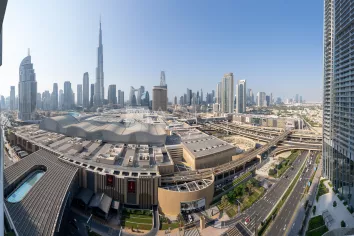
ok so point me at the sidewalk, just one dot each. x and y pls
(339, 213)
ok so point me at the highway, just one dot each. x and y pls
(260, 210)
(280, 225)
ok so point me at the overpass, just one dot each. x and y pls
(227, 168)
(265, 135)
(295, 147)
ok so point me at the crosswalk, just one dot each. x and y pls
(192, 232)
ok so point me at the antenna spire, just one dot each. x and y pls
(29, 52)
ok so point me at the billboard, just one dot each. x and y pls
(197, 204)
(131, 186)
(110, 180)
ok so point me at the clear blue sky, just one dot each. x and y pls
(275, 45)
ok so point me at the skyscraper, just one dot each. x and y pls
(39, 101)
(163, 79)
(112, 95)
(61, 99)
(12, 98)
(2, 102)
(189, 97)
(79, 95)
(268, 100)
(121, 98)
(86, 90)
(46, 100)
(338, 109)
(67, 103)
(261, 99)
(201, 96)
(2, 13)
(241, 96)
(54, 97)
(227, 93)
(145, 99)
(27, 89)
(218, 93)
(99, 85)
(175, 101)
(92, 95)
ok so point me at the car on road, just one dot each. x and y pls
(247, 220)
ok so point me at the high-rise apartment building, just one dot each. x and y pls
(27, 90)
(175, 101)
(68, 96)
(2, 14)
(54, 97)
(112, 94)
(86, 90)
(338, 108)
(99, 85)
(218, 93)
(159, 98)
(121, 98)
(12, 98)
(261, 99)
(79, 95)
(227, 93)
(241, 96)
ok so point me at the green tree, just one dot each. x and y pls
(249, 188)
(314, 210)
(334, 203)
(239, 190)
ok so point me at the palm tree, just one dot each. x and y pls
(249, 187)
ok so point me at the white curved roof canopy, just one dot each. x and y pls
(117, 132)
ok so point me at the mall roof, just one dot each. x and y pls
(39, 212)
(207, 145)
(121, 131)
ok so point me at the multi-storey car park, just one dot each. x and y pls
(130, 158)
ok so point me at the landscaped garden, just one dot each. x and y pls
(283, 165)
(167, 224)
(316, 226)
(322, 189)
(137, 219)
(245, 194)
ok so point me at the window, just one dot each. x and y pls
(22, 190)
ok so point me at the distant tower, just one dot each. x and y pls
(68, 96)
(54, 97)
(86, 90)
(227, 93)
(163, 80)
(121, 98)
(12, 98)
(99, 85)
(27, 89)
(241, 96)
(79, 95)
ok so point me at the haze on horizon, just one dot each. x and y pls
(275, 45)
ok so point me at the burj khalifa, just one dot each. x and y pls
(99, 85)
